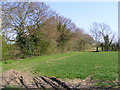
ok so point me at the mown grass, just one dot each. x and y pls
(101, 65)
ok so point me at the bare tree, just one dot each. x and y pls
(107, 35)
(102, 32)
(94, 28)
(34, 29)
(21, 20)
(65, 28)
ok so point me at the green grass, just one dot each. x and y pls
(102, 65)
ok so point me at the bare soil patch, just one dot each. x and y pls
(26, 80)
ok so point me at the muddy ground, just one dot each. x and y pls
(24, 80)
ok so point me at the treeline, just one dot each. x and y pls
(104, 38)
(33, 29)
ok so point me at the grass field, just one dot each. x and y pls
(102, 65)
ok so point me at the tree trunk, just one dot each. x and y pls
(97, 49)
(102, 48)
